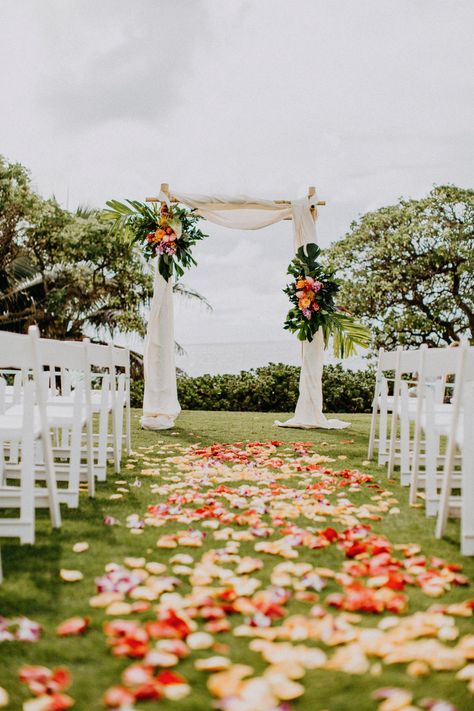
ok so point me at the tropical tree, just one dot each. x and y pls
(65, 271)
(408, 269)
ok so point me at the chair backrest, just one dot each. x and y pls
(469, 364)
(121, 357)
(98, 355)
(463, 398)
(410, 361)
(387, 360)
(62, 354)
(464, 375)
(16, 351)
(22, 352)
(439, 362)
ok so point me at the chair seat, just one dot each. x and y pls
(442, 422)
(11, 424)
(62, 413)
(388, 402)
(96, 400)
(59, 414)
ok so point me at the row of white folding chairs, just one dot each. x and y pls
(109, 395)
(420, 413)
(448, 471)
(46, 433)
(395, 404)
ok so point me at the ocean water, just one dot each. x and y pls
(217, 358)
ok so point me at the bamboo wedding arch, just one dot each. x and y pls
(160, 404)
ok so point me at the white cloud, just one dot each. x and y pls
(368, 100)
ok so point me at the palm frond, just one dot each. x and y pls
(347, 335)
(191, 295)
(85, 211)
(121, 212)
(179, 349)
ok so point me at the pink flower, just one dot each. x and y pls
(167, 247)
(307, 313)
(317, 286)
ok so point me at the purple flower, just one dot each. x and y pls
(307, 313)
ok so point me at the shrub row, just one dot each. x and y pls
(273, 388)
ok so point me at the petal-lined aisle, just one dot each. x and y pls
(257, 576)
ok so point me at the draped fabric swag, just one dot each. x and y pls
(160, 405)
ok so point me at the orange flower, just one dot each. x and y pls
(159, 234)
(301, 283)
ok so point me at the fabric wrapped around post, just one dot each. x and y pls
(160, 402)
(161, 407)
(309, 408)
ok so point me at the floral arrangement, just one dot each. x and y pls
(313, 295)
(163, 230)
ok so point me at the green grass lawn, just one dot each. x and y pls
(33, 587)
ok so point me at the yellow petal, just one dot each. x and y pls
(70, 576)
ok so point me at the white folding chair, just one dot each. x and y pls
(461, 439)
(403, 413)
(69, 413)
(25, 424)
(108, 359)
(121, 359)
(431, 419)
(382, 404)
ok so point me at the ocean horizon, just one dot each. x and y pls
(220, 358)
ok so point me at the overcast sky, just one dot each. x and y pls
(368, 100)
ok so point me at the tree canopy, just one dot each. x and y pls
(63, 270)
(408, 269)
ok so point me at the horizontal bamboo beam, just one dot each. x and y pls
(164, 188)
(230, 206)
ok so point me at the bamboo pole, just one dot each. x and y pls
(164, 188)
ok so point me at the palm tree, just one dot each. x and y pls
(111, 290)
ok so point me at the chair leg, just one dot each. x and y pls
(446, 487)
(373, 423)
(51, 483)
(382, 456)
(128, 424)
(27, 481)
(72, 439)
(467, 490)
(102, 444)
(404, 438)
(432, 443)
(431, 455)
(393, 437)
(115, 440)
(415, 466)
(90, 459)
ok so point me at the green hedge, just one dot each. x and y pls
(273, 388)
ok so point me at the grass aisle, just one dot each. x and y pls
(274, 481)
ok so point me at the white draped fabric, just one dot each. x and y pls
(160, 406)
(160, 403)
